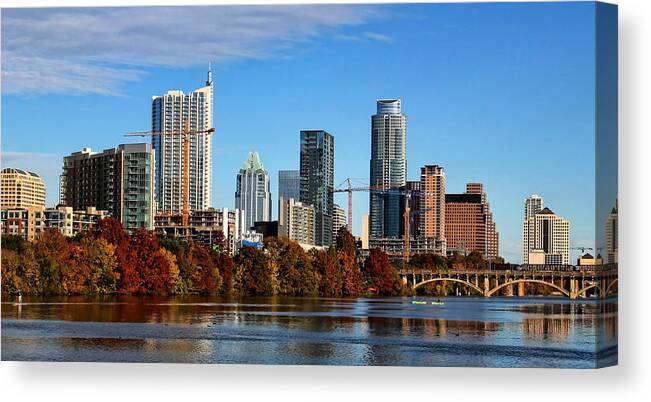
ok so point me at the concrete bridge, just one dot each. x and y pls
(571, 282)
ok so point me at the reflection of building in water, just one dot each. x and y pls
(546, 326)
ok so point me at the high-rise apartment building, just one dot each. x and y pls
(388, 168)
(469, 224)
(364, 236)
(118, 180)
(252, 193)
(532, 205)
(296, 221)
(546, 239)
(172, 113)
(21, 189)
(317, 180)
(611, 237)
(432, 202)
(289, 184)
(338, 221)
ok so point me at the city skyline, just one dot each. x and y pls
(453, 120)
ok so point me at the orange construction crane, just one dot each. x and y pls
(185, 137)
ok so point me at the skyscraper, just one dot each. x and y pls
(170, 113)
(252, 194)
(289, 185)
(469, 224)
(388, 168)
(317, 180)
(432, 201)
(546, 239)
(612, 236)
(532, 205)
(21, 189)
(118, 180)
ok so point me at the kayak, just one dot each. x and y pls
(434, 303)
(418, 302)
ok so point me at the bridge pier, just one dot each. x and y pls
(521, 292)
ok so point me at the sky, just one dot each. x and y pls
(500, 93)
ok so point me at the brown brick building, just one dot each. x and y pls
(469, 224)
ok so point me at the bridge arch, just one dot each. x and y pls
(585, 289)
(490, 292)
(470, 284)
(610, 286)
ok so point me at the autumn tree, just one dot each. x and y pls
(253, 273)
(326, 263)
(381, 274)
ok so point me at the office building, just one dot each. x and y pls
(117, 180)
(411, 195)
(364, 237)
(532, 205)
(611, 251)
(21, 189)
(252, 191)
(469, 224)
(388, 168)
(546, 239)
(297, 221)
(338, 221)
(172, 113)
(317, 165)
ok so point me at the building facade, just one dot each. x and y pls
(412, 196)
(207, 225)
(469, 224)
(338, 221)
(252, 191)
(611, 237)
(432, 202)
(546, 238)
(70, 222)
(297, 221)
(388, 168)
(20, 189)
(365, 237)
(317, 165)
(533, 205)
(289, 184)
(118, 180)
(171, 113)
(26, 222)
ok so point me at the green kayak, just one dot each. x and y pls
(418, 302)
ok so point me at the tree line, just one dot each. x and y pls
(109, 260)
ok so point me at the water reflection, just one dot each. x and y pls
(385, 331)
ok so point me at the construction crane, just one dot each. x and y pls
(185, 137)
(393, 188)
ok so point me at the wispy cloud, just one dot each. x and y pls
(97, 50)
(378, 37)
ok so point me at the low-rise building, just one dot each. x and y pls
(70, 222)
(204, 226)
(26, 222)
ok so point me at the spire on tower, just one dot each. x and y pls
(209, 80)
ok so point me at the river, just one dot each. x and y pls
(495, 332)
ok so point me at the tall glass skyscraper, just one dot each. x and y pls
(388, 168)
(317, 180)
(170, 113)
(252, 194)
(289, 184)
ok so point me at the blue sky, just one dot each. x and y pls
(497, 93)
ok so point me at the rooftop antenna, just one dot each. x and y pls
(209, 81)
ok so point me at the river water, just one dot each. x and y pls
(496, 332)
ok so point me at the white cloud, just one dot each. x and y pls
(96, 50)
